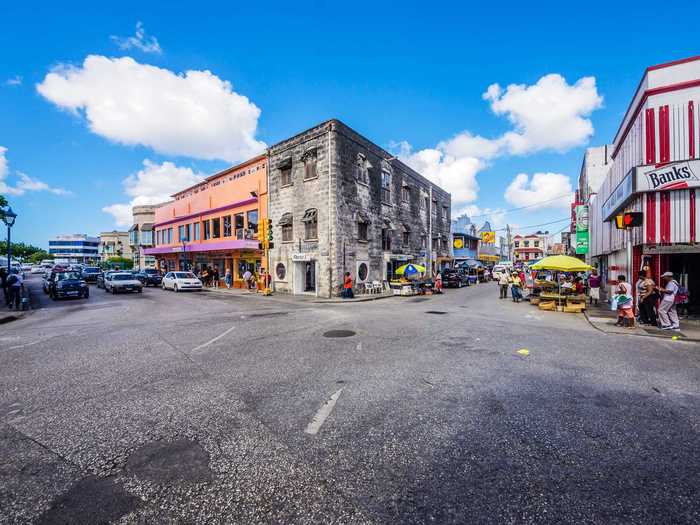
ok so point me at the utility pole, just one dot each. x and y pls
(509, 240)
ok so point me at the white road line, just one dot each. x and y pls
(214, 340)
(323, 413)
(359, 346)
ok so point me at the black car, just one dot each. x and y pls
(90, 274)
(454, 279)
(149, 277)
(67, 284)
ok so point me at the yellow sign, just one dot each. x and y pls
(458, 243)
(488, 237)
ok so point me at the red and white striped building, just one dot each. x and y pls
(655, 170)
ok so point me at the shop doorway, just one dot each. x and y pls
(305, 277)
(685, 270)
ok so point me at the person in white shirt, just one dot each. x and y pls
(668, 317)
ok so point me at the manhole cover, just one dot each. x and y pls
(90, 500)
(338, 333)
(166, 461)
(436, 312)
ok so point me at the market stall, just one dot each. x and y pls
(410, 280)
(551, 295)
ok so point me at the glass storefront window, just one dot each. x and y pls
(227, 226)
(253, 221)
(195, 227)
(207, 230)
(216, 228)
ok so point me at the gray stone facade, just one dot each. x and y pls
(373, 213)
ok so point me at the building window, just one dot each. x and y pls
(425, 203)
(239, 225)
(517, 244)
(406, 238)
(444, 213)
(362, 169)
(196, 227)
(537, 244)
(386, 239)
(526, 244)
(433, 210)
(310, 165)
(181, 232)
(207, 230)
(188, 232)
(170, 235)
(280, 271)
(310, 220)
(216, 228)
(424, 242)
(362, 231)
(227, 226)
(287, 224)
(253, 221)
(386, 186)
(435, 243)
(286, 176)
(405, 194)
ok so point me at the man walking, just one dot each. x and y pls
(14, 284)
(503, 284)
(668, 317)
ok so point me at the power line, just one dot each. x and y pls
(536, 225)
(496, 212)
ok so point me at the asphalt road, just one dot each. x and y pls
(200, 408)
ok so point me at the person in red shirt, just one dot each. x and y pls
(580, 288)
(347, 286)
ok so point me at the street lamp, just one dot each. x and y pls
(8, 217)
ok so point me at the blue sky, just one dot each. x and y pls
(415, 74)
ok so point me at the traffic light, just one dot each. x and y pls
(268, 228)
(629, 220)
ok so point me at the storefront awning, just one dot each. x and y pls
(286, 219)
(310, 215)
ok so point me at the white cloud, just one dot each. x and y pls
(195, 114)
(549, 115)
(138, 41)
(478, 215)
(25, 182)
(153, 184)
(14, 81)
(543, 190)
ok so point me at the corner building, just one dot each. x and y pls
(339, 202)
(655, 170)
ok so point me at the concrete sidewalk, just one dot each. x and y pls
(239, 292)
(604, 319)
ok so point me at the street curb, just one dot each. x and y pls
(9, 318)
(353, 300)
(338, 300)
(657, 336)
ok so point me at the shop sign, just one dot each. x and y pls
(618, 198)
(676, 176)
(488, 237)
(400, 257)
(301, 257)
(581, 218)
(582, 242)
(655, 249)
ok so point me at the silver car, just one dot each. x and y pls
(122, 282)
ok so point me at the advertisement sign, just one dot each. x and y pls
(582, 218)
(582, 242)
(458, 243)
(618, 198)
(488, 237)
(676, 176)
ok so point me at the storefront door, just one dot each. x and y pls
(310, 276)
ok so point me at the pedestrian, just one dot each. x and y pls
(625, 312)
(347, 286)
(646, 299)
(668, 316)
(15, 284)
(215, 276)
(267, 279)
(594, 286)
(438, 283)
(516, 287)
(248, 278)
(3, 282)
(228, 279)
(503, 284)
(580, 288)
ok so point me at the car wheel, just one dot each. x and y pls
(162, 285)
(114, 291)
(175, 288)
(87, 295)
(140, 290)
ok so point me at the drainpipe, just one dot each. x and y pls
(330, 225)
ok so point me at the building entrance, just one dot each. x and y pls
(310, 276)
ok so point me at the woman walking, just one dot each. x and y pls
(516, 287)
(625, 312)
(228, 278)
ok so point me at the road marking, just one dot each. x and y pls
(323, 413)
(214, 340)
(359, 346)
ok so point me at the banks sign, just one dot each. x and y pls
(676, 176)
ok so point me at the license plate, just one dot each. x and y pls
(72, 293)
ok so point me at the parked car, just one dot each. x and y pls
(36, 269)
(90, 274)
(150, 277)
(178, 281)
(67, 284)
(101, 278)
(454, 278)
(122, 282)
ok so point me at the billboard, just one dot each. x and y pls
(582, 229)
(488, 237)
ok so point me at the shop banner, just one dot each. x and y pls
(582, 218)
(675, 176)
(582, 242)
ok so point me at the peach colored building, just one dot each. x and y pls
(215, 223)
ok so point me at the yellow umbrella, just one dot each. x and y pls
(410, 269)
(562, 263)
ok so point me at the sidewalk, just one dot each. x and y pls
(604, 319)
(239, 292)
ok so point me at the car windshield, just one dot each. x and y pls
(151, 271)
(122, 277)
(67, 275)
(91, 270)
(184, 275)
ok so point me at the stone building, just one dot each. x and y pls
(339, 202)
(141, 235)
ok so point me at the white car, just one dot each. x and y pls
(122, 282)
(36, 269)
(178, 281)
